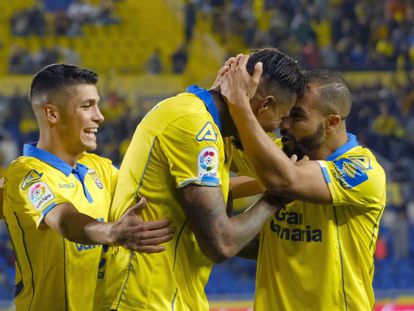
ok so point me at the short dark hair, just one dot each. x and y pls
(278, 68)
(334, 91)
(53, 77)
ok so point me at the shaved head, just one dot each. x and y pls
(334, 92)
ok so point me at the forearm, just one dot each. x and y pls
(81, 228)
(246, 226)
(219, 236)
(271, 165)
(224, 237)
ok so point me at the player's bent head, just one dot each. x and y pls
(56, 77)
(281, 74)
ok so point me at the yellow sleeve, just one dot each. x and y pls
(357, 181)
(32, 192)
(194, 150)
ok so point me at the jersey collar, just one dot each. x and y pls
(351, 143)
(30, 150)
(208, 101)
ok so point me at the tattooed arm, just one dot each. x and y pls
(219, 236)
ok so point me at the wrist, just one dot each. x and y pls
(110, 233)
(243, 113)
(273, 202)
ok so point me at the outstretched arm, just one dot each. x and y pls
(219, 236)
(130, 231)
(302, 180)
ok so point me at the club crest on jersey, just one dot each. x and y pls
(207, 133)
(350, 173)
(40, 195)
(31, 177)
(96, 178)
(208, 162)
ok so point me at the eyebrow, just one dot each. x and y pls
(90, 99)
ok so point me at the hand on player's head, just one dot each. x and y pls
(222, 71)
(237, 85)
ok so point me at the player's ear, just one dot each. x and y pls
(51, 113)
(266, 103)
(333, 121)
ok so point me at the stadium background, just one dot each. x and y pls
(145, 51)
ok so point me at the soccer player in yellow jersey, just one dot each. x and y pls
(315, 253)
(178, 160)
(57, 198)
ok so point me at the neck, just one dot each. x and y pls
(332, 143)
(227, 124)
(53, 144)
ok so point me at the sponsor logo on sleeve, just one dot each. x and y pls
(31, 177)
(208, 162)
(40, 195)
(351, 173)
(207, 133)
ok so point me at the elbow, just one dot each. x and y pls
(279, 186)
(220, 256)
(219, 253)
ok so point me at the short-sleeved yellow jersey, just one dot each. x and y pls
(320, 257)
(53, 273)
(178, 143)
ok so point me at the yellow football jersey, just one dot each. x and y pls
(320, 257)
(53, 273)
(178, 143)
(242, 162)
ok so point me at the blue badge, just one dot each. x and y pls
(351, 173)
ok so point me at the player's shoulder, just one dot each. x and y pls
(365, 158)
(358, 167)
(183, 104)
(92, 160)
(25, 171)
(22, 165)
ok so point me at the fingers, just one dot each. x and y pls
(230, 61)
(155, 241)
(220, 75)
(138, 207)
(223, 70)
(294, 158)
(157, 224)
(149, 245)
(150, 234)
(242, 60)
(257, 73)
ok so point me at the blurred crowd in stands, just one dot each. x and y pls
(340, 34)
(22, 61)
(45, 18)
(59, 18)
(373, 34)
